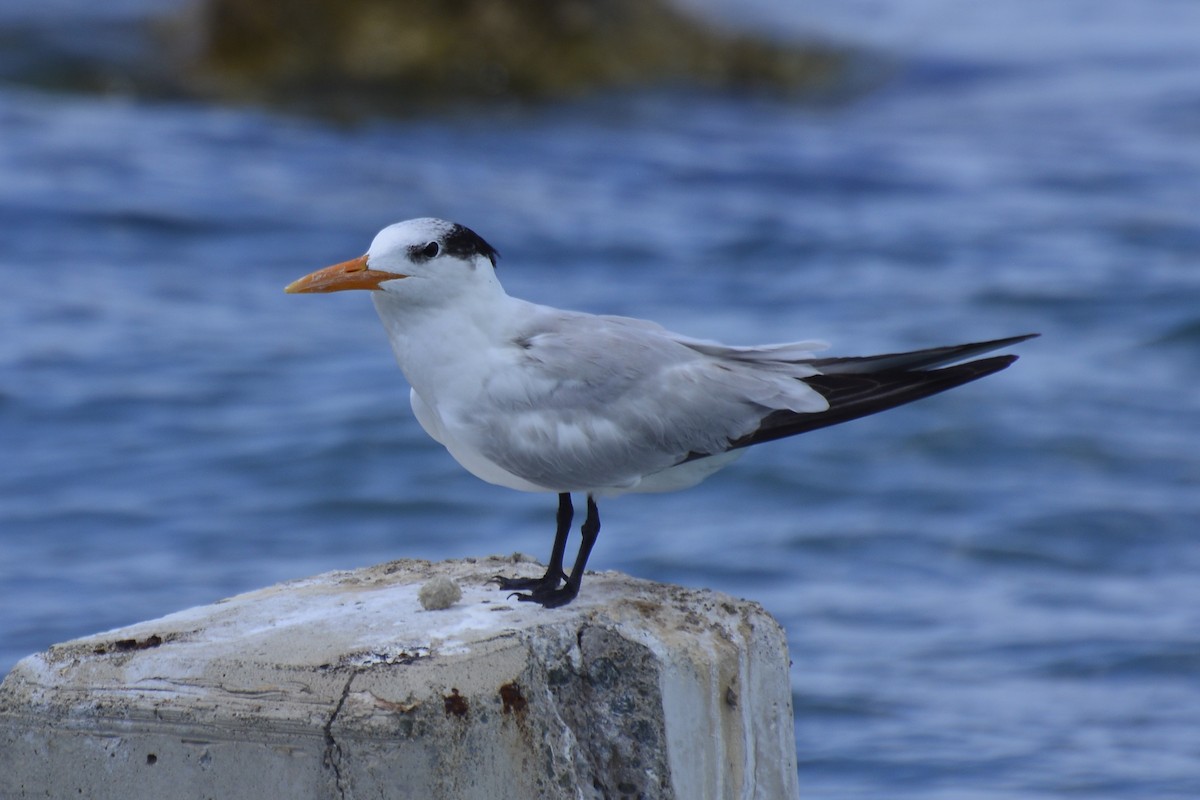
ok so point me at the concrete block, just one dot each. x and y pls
(344, 686)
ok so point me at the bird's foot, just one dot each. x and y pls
(549, 598)
(547, 583)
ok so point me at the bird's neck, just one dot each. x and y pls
(445, 345)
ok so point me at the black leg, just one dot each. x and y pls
(555, 597)
(554, 572)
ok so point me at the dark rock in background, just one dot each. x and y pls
(404, 56)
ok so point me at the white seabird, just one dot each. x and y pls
(540, 399)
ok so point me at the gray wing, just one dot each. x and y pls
(590, 402)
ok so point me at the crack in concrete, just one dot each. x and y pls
(333, 751)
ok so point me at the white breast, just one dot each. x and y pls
(470, 459)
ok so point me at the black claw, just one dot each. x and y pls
(545, 583)
(553, 598)
(546, 590)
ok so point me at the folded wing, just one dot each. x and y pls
(859, 386)
(594, 402)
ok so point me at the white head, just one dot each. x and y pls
(419, 261)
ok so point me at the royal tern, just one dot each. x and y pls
(544, 400)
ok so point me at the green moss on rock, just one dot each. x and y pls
(397, 52)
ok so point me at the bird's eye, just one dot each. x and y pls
(430, 250)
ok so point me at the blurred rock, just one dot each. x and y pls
(399, 54)
(367, 57)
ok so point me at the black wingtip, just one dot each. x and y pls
(1011, 340)
(854, 395)
(914, 360)
(1014, 340)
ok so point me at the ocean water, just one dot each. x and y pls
(993, 593)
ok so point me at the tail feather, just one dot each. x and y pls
(859, 386)
(914, 360)
(857, 394)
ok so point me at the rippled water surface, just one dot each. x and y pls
(990, 594)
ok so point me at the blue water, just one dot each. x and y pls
(989, 594)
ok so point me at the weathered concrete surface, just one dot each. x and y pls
(343, 686)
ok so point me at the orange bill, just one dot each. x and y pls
(352, 274)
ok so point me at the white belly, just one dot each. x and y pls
(470, 459)
(673, 479)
